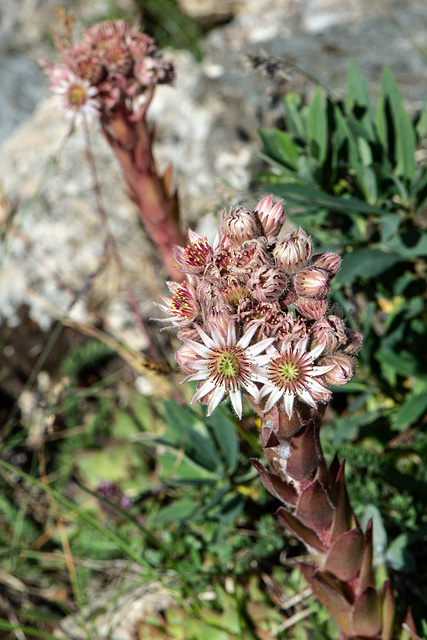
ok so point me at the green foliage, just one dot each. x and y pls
(169, 26)
(347, 169)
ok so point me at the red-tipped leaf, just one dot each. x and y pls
(313, 508)
(303, 533)
(367, 614)
(345, 555)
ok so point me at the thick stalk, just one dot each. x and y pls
(152, 193)
(316, 509)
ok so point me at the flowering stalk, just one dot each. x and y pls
(111, 75)
(254, 317)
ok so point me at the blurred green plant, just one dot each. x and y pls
(170, 26)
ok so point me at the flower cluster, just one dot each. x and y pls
(113, 68)
(254, 316)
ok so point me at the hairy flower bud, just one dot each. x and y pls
(329, 261)
(311, 308)
(271, 217)
(240, 225)
(343, 370)
(354, 342)
(186, 357)
(267, 283)
(330, 332)
(293, 251)
(311, 283)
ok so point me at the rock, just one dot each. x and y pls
(23, 86)
(210, 12)
(54, 259)
(320, 36)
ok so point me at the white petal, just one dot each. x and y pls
(313, 384)
(247, 337)
(203, 351)
(231, 334)
(301, 346)
(206, 388)
(193, 236)
(260, 361)
(198, 375)
(316, 351)
(258, 375)
(304, 395)
(274, 397)
(319, 371)
(251, 388)
(289, 403)
(259, 346)
(206, 339)
(236, 401)
(216, 398)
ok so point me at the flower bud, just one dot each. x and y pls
(241, 225)
(329, 261)
(293, 251)
(311, 283)
(330, 332)
(267, 283)
(343, 370)
(185, 357)
(311, 308)
(354, 342)
(271, 218)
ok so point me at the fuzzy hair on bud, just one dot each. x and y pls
(294, 251)
(272, 218)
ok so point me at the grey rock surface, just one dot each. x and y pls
(23, 85)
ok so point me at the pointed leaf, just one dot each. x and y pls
(406, 145)
(345, 555)
(388, 609)
(421, 126)
(327, 591)
(317, 127)
(381, 122)
(366, 573)
(365, 263)
(343, 515)
(294, 116)
(303, 460)
(275, 485)
(186, 430)
(303, 533)
(412, 409)
(379, 533)
(313, 508)
(224, 432)
(179, 511)
(391, 93)
(367, 614)
(357, 88)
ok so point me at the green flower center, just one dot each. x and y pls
(288, 371)
(77, 95)
(227, 365)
